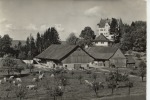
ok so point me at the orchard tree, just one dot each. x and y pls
(142, 70)
(80, 77)
(9, 65)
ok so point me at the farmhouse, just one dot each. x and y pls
(68, 56)
(107, 56)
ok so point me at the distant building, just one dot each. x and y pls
(101, 40)
(103, 27)
(130, 61)
(107, 56)
(67, 56)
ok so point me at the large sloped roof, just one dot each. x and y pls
(103, 53)
(57, 52)
(101, 38)
(102, 22)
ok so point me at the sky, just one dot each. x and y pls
(20, 18)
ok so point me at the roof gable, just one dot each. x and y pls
(101, 38)
(57, 52)
(102, 53)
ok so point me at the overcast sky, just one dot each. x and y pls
(19, 18)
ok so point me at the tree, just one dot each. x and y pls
(55, 36)
(72, 39)
(27, 46)
(80, 77)
(64, 81)
(49, 37)
(39, 43)
(94, 76)
(134, 36)
(9, 65)
(19, 68)
(19, 45)
(113, 25)
(55, 92)
(21, 92)
(87, 34)
(22, 55)
(96, 87)
(142, 69)
(112, 81)
(5, 43)
(116, 29)
(126, 42)
(130, 85)
(32, 47)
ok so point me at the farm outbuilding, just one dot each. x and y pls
(130, 61)
(107, 56)
(68, 56)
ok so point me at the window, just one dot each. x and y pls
(101, 29)
(102, 42)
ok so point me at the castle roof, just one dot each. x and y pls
(102, 22)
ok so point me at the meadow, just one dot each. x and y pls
(75, 89)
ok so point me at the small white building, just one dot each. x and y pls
(101, 40)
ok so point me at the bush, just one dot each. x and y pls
(80, 77)
(55, 92)
(94, 76)
(21, 92)
(88, 72)
(72, 73)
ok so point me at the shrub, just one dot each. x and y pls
(55, 92)
(21, 92)
(80, 77)
(142, 70)
(72, 73)
(94, 76)
(88, 72)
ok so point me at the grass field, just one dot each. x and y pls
(73, 91)
(126, 97)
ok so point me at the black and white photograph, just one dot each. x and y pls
(73, 49)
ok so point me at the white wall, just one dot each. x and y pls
(101, 44)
